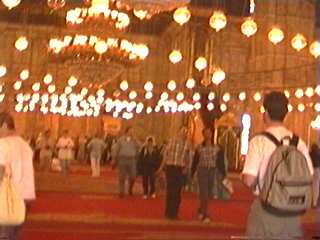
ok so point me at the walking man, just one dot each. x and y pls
(263, 223)
(95, 148)
(125, 154)
(204, 162)
(176, 159)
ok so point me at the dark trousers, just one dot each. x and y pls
(174, 186)
(148, 183)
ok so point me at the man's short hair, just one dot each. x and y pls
(276, 105)
(8, 119)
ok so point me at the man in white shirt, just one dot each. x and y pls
(262, 224)
(14, 150)
(65, 152)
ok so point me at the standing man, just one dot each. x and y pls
(204, 162)
(14, 150)
(65, 155)
(176, 160)
(262, 223)
(46, 146)
(125, 154)
(95, 148)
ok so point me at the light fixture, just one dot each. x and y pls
(24, 75)
(175, 56)
(148, 95)
(309, 92)
(101, 47)
(211, 96)
(11, 3)
(51, 88)
(315, 49)
(180, 96)
(21, 43)
(3, 71)
(172, 85)
(124, 85)
(298, 42)
(249, 27)
(182, 15)
(151, 7)
(47, 79)
(196, 97)
(84, 91)
(190, 83)
(17, 85)
(36, 87)
(223, 107)
(257, 96)
(218, 76)
(299, 93)
(133, 95)
(301, 107)
(226, 97)
(276, 35)
(56, 4)
(98, 15)
(92, 48)
(242, 96)
(72, 81)
(148, 86)
(200, 63)
(218, 20)
(100, 92)
(141, 14)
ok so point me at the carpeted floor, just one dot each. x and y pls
(82, 207)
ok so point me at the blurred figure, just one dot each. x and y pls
(125, 153)
(95, 149)
(46, 146)
(148, 163)
(315, 157)
(65, 154)
(15, 152)
(81, 156)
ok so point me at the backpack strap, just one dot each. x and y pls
(294, 140)
(272, 138)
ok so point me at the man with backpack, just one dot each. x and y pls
(279, 169)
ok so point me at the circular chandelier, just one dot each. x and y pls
(56, 4)
(249, 27)
(92, 48)
(175, 56)
(182, 15)
(98, 14)
(218, 20)
(11, 3)
(150, 8)
(276, 35)
(315, 49)
(298, 42)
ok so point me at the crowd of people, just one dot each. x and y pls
(178, 162)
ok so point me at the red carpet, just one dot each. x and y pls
(57, 215)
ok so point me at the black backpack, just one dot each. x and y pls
(287, 184)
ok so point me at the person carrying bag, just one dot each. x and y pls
(17, 187)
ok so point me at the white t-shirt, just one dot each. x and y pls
(65, 145)
(261, 149)
(16, 151)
